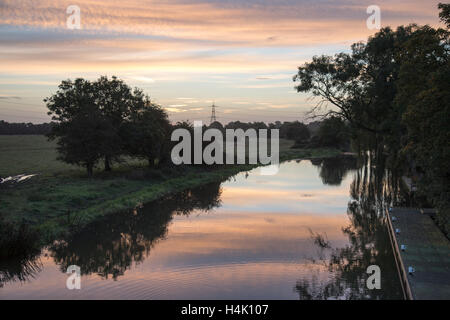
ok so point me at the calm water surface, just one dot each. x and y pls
(308, 232)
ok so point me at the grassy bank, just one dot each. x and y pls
(61, 196)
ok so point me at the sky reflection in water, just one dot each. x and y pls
(257, 244)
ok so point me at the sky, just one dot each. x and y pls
(185, 54)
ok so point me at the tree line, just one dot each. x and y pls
(330, 132)
(393, 91)
(7, 128)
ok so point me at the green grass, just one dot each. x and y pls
(34, 154)
(62, 193)
(29, 154)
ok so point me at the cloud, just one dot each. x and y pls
(231, 50)
(280, 106)
(142, 79)
(8, 97)
(265, 86)
(194, 36)
(175, 110)
(261, 23)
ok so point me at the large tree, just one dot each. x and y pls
(424, 94)
(88, 119)
(360, 87)
(394, 91)
(79, 126)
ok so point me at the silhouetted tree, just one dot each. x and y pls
(147, 133)
(424, 94)
(333, 132)
(295, 131)
(80, 128)
(444, 15)
(394, 93)
(89, 118)
(361, 86)
(116, 101)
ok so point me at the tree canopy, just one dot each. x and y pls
(104, 119)
(393, 91)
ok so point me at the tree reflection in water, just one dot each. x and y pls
(333, 170)
(372, 190)
(19, 253)
(109, 247)
(22, 269)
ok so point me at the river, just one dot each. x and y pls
(308, 232)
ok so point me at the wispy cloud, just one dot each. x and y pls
(8, 97)
(187, 51)
(266, 86)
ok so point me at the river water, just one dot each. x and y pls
(308, 232)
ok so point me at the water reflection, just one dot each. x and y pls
(21, 269)
(21, 244)
(372, 190)
(333, 171)
(259, 237)
(111, 245)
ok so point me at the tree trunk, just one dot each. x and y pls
(90, 170)
(107, 164)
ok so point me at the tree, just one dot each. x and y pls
(424, 94)
(89, 118)
(217, 125)
(297, 131)
(80, 128)
(333, 132)
(444, 15)
(116, 101)
(361, 86)
(394, 93)
(147, 134)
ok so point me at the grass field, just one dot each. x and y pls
(34, 154)
(60, 190)
(29, 154)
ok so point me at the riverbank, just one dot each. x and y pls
(60, 198)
